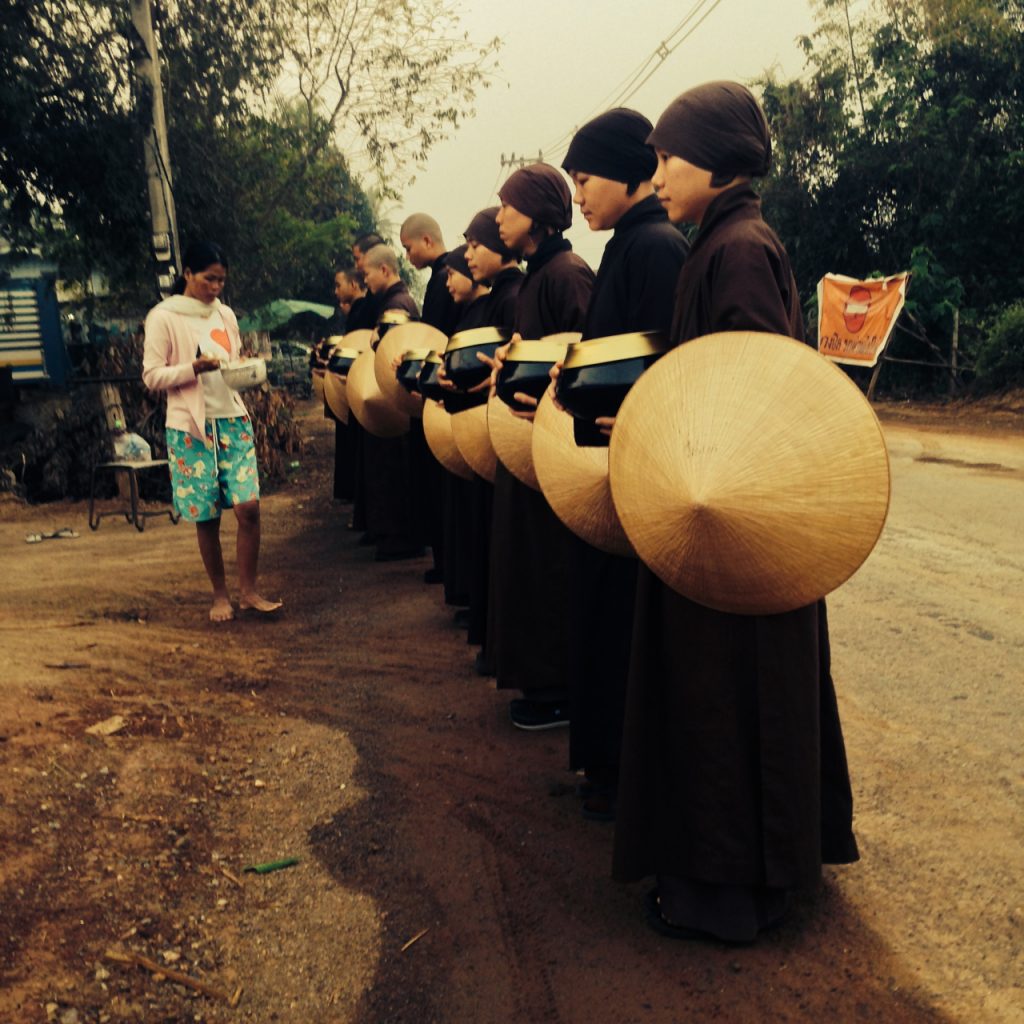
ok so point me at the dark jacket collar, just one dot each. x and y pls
(396, 289)
(505, 276)
(548, 249)
(647, 211)
(738, 201)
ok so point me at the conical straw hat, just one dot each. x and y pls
(512, 439)
(437, 428)
(749, 473)
(336, 395)
(471, 435)
(359, 340)
(374, 412)
(575, 480)
(396, 342)
(318, 383)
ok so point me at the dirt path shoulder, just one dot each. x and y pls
(444, 872)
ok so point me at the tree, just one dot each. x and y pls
(264, 176)
(901, 147)
(392, 76)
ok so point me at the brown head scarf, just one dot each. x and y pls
(456, 259)
(483, 230)
(718, 126)
(539, 191)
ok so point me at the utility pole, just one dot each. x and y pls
(520, 161)
(146, 59)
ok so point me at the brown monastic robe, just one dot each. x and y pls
(733, 765)
(530, 546)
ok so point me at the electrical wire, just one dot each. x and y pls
(644, 71)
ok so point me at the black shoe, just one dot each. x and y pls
(369, 538)
(461, 618)
(534, 715)
(481, 667)
(433, 575)
(396, 552)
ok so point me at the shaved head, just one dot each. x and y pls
(381, 256)
(422, 225)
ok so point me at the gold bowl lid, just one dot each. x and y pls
(477, 336)
(615, 348)
(543, 351)
(344, 353)
(416, 355)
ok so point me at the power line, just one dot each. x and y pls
(633, 82)
(627, 88)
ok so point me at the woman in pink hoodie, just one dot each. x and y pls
(209, 435)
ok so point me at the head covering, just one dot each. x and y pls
(456, 259)
(539, 191)
(718, 126)
(613, 145)
(483, 230)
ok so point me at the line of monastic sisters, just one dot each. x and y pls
(636, 487)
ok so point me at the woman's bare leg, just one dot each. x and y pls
(208, 535)
(248, 552)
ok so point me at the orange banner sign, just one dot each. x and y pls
(856, 318)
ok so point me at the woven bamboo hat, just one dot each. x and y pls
(359, 340)
(512, 439)
(749, 473)
(393, 345)
(474, 440)
(437, 428)
(374, 412)
(575, 480)
(336, 387)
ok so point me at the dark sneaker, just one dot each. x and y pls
(534, 715)
(433, 575)
(481, 666)
(397, 552)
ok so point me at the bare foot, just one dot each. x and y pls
(221, 610)
(256, 603)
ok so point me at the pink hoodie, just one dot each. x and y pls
(169, 352)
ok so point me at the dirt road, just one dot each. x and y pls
(352, 734)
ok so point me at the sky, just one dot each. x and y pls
(562, 63)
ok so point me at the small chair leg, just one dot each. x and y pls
(94, 524)
(133, 486)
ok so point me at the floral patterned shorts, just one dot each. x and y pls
(219, 474)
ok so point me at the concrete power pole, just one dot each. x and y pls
(146, 59)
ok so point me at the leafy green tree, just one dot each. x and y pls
(388, 77)
(264, 176)
(900, 148)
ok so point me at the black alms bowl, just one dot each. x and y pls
(409, 368)
(461, 365)
(597, 374)
(428, 384)
(526, 369)
(341, 359)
